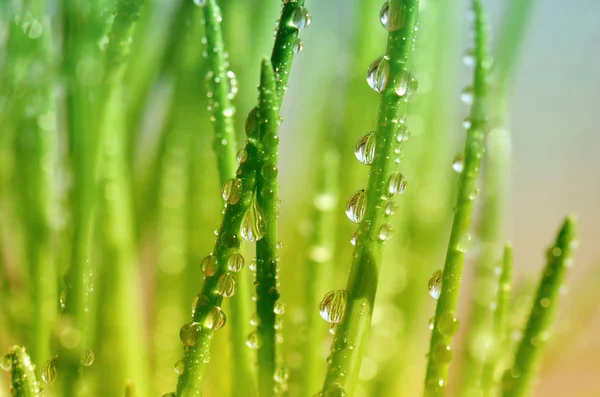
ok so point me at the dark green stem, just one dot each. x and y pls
(23, 379)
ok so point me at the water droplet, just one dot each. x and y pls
(469, 58)
(386, 232)
(226, 285)
(431, 323)
(88, 358)
(390, 207)
(354, 238)
(378, 73)
(467, 95)
(435, 284)
(63, 298)
(545, 302)
(200, 3)
(253, 223)
(189, 333)
(442, 354)
(300, 18)
(356, 206)
(403, 134)
(298, 47)
(333, 306)
(407, 84)
(458, 164)
(391, 22)
(435, 386)
(6, 362)
(364, 149)
(33, 28)
(335, 390)
(179, 367)
(252, 123)
(279, 308)
(232, 191)
(448, 324)
(465, 243)
(282, 374)
(209, 265)
(233, 86)
(269, 171)
(467, 123)
(215, 319)
(254, 340)
(49, 372)
(242, 155)
(235, 263)
(255, 320)
(397, 183)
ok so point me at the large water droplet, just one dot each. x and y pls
(467, 95)
(390, 207)
(448, 324)
(179, 367)
(227, 285)
(88, 358)
(232, 191)
(386, 232)
(209, 265)
(335, 390)
(235, 263)
(279, 308)
(189, 333)
(407, 84)
(356, 206)
(435, 284)
(253, 223)
(254, 340)
(397, 183)
(333, 306)
(215, 319)
(299, 46)
(458, 164)
(255, 320)
(300, 18)
(465, 243)
(378, 73)
(49, 372)
(391, 21)
(242, 156)
(364, 150)
(403, 134)
(442, 354)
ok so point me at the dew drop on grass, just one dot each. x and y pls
(364, 149)
(226, 285)
(215, 319)
(431, 323)
(333, 306)
(279, 308)
(442, 353)
(448, 324)
(298, 47)
(200, 3)
(242, 156)
(435, 284)
(233, 85)
(386, 231)
(255, 320)
(179, 367)
(465, 243)
(252, 228)
(209, 265)
(467, 95)
(458, 164)
(356, 206)
(300, 18)
(390, 207)
(467, 123)
(232, 191)
(435, 385)
(189, 333)
(235, 263)
(403, 134)
(49, 372)
(335, 390)
(391, 22)
(354, 238)
(378, 73)
(397, 183)
(407, 84)
(6, 362)
(282, 374)
(254, 340)
(63, 298)
(469, 58)
(88, 358)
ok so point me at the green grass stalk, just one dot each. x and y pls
(490, 381)
(319, 264)
(518, 380)
(438, 364)
(23, 379)
(351, 333)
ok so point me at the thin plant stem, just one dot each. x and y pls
(266, 248)
(489, 381)
(351, 333)
(440, 352)
(319, 264)
(518, 380)
(23, 378)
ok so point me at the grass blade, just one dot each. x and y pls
(518, 381)
(23, 379)
(440, 352)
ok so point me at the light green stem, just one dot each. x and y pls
(438, 364)
(351, 334)
(518, 380)
(23, 379)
